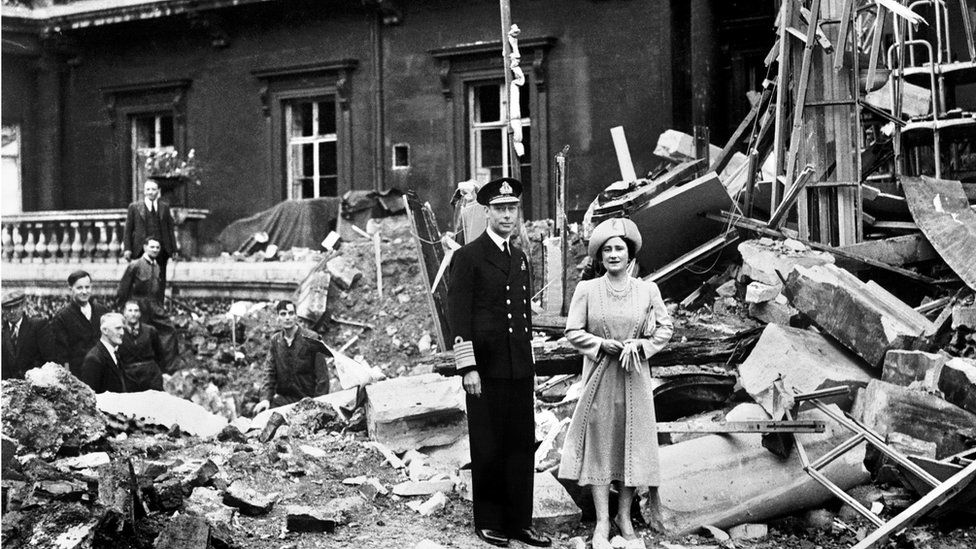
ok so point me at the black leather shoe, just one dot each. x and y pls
(493, 537)
(529, 536)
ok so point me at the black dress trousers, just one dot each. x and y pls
(502, 431)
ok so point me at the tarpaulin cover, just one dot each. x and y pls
(293, 223)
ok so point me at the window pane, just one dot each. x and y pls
(329, 186)
(301, 120)
(524, 94)
(144, 128)
(308, 187)
(527, 142)
(487, 103)
(491, 148)
(166, 131)
(327, 117)
(327, 158)
(308, 160)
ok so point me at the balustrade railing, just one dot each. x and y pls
(68, 236)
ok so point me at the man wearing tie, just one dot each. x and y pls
(150, 217)
(101, 369)
(25, 339)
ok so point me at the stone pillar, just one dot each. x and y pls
(704, 64)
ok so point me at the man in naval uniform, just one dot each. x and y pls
(488, 309)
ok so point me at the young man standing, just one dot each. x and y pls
(141, 282)
(76, 326)
(489, 313)
(298, 363)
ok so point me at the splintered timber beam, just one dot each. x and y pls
(755, 426)
(778, 217)
(759, 227)
(801, 91)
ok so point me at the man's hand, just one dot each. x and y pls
(261, 406)
(127, 255)
(472, 383)
(612, 347)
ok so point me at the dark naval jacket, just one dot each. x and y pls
(488, 304)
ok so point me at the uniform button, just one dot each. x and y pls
(510, 330)
(508, 301)
(506, 288)
(524, 316)
(523, 289)
(526, 330)
(509, 315)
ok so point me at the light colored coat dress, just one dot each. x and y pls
(613, 433)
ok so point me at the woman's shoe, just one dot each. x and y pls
(601, 543)
(618, 542)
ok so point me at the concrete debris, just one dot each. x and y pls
(758, 292)
(725, 480)
(340, 401)
(372, 487)
(548, 453)
(787, 359)
(312, 451)
(202, 474)
(50, 411)
(748, 531)
(209, 504)
(231, 433)
(309, 416)
(79, 536)
(387, 454)
(964, 316)
(423, 488)
(160, 408)
(863, 317)
(427, 544)
(552, 507)
(431, 506)
(911, 446)
(957, 381)
(908, 367)
(888, 408)
(184, 532)
(464, 484)
(248, 500)
(416, 411)
(776, 311)
(343, 272)
(167, 494)
(275, 421)
(302, 518)
(763, 258)
(86, 461)
(354, 373)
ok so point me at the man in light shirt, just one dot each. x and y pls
(101, 369)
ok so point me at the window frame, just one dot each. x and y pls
(292, 191)
(474, 128)
(134, 148)
(465, 65)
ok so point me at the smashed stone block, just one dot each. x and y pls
(207, 503)
(549, 452)
(911, 446)
(957, 381)
(184, 532)
(161, 408)
(762, 259)
(964, 316)
(8, 456)
(203, 475)
(748, 531)
(370, 488)
(168, 494)
(309, 416)
(907, 367)
(888, 408)
(63, 489)
(324, 518)
(416, 411)
(729, 479)
(864, 317)
(343, 272)
(93, 460)
(552, 507)
(777, 311)
(271, 427)
(118, 492)
(431, 506)
(757, 292)
(801, 360)
(50, 410)
(248, 500)
(230, 433)
(427, 544)
(423, 488)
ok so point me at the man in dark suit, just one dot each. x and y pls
(488, 309)
(101, 368)
(141, 352)
(150, 217)
(141, 282)
(76, 326)
(26, 340)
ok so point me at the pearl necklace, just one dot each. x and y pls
(617, 293)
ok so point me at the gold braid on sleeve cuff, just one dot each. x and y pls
(463, 354)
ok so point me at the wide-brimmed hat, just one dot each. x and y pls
(505, 190)
(618, 226)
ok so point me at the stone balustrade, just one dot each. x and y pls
(71, 236)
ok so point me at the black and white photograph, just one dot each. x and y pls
(434, 274)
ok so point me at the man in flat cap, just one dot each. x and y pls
(489, 314)
(26, 340)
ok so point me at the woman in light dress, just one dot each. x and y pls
(617, 322)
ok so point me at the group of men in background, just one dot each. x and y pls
(110, 351)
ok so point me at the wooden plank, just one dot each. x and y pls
(636, 199)
(430, 253)
(847, 14)
(942, 211)
(779, 216)
(757, 226)
(718, 243)
(936, 498)
(897, 250)
(801, 92)
(754, 426)
(786, 17)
